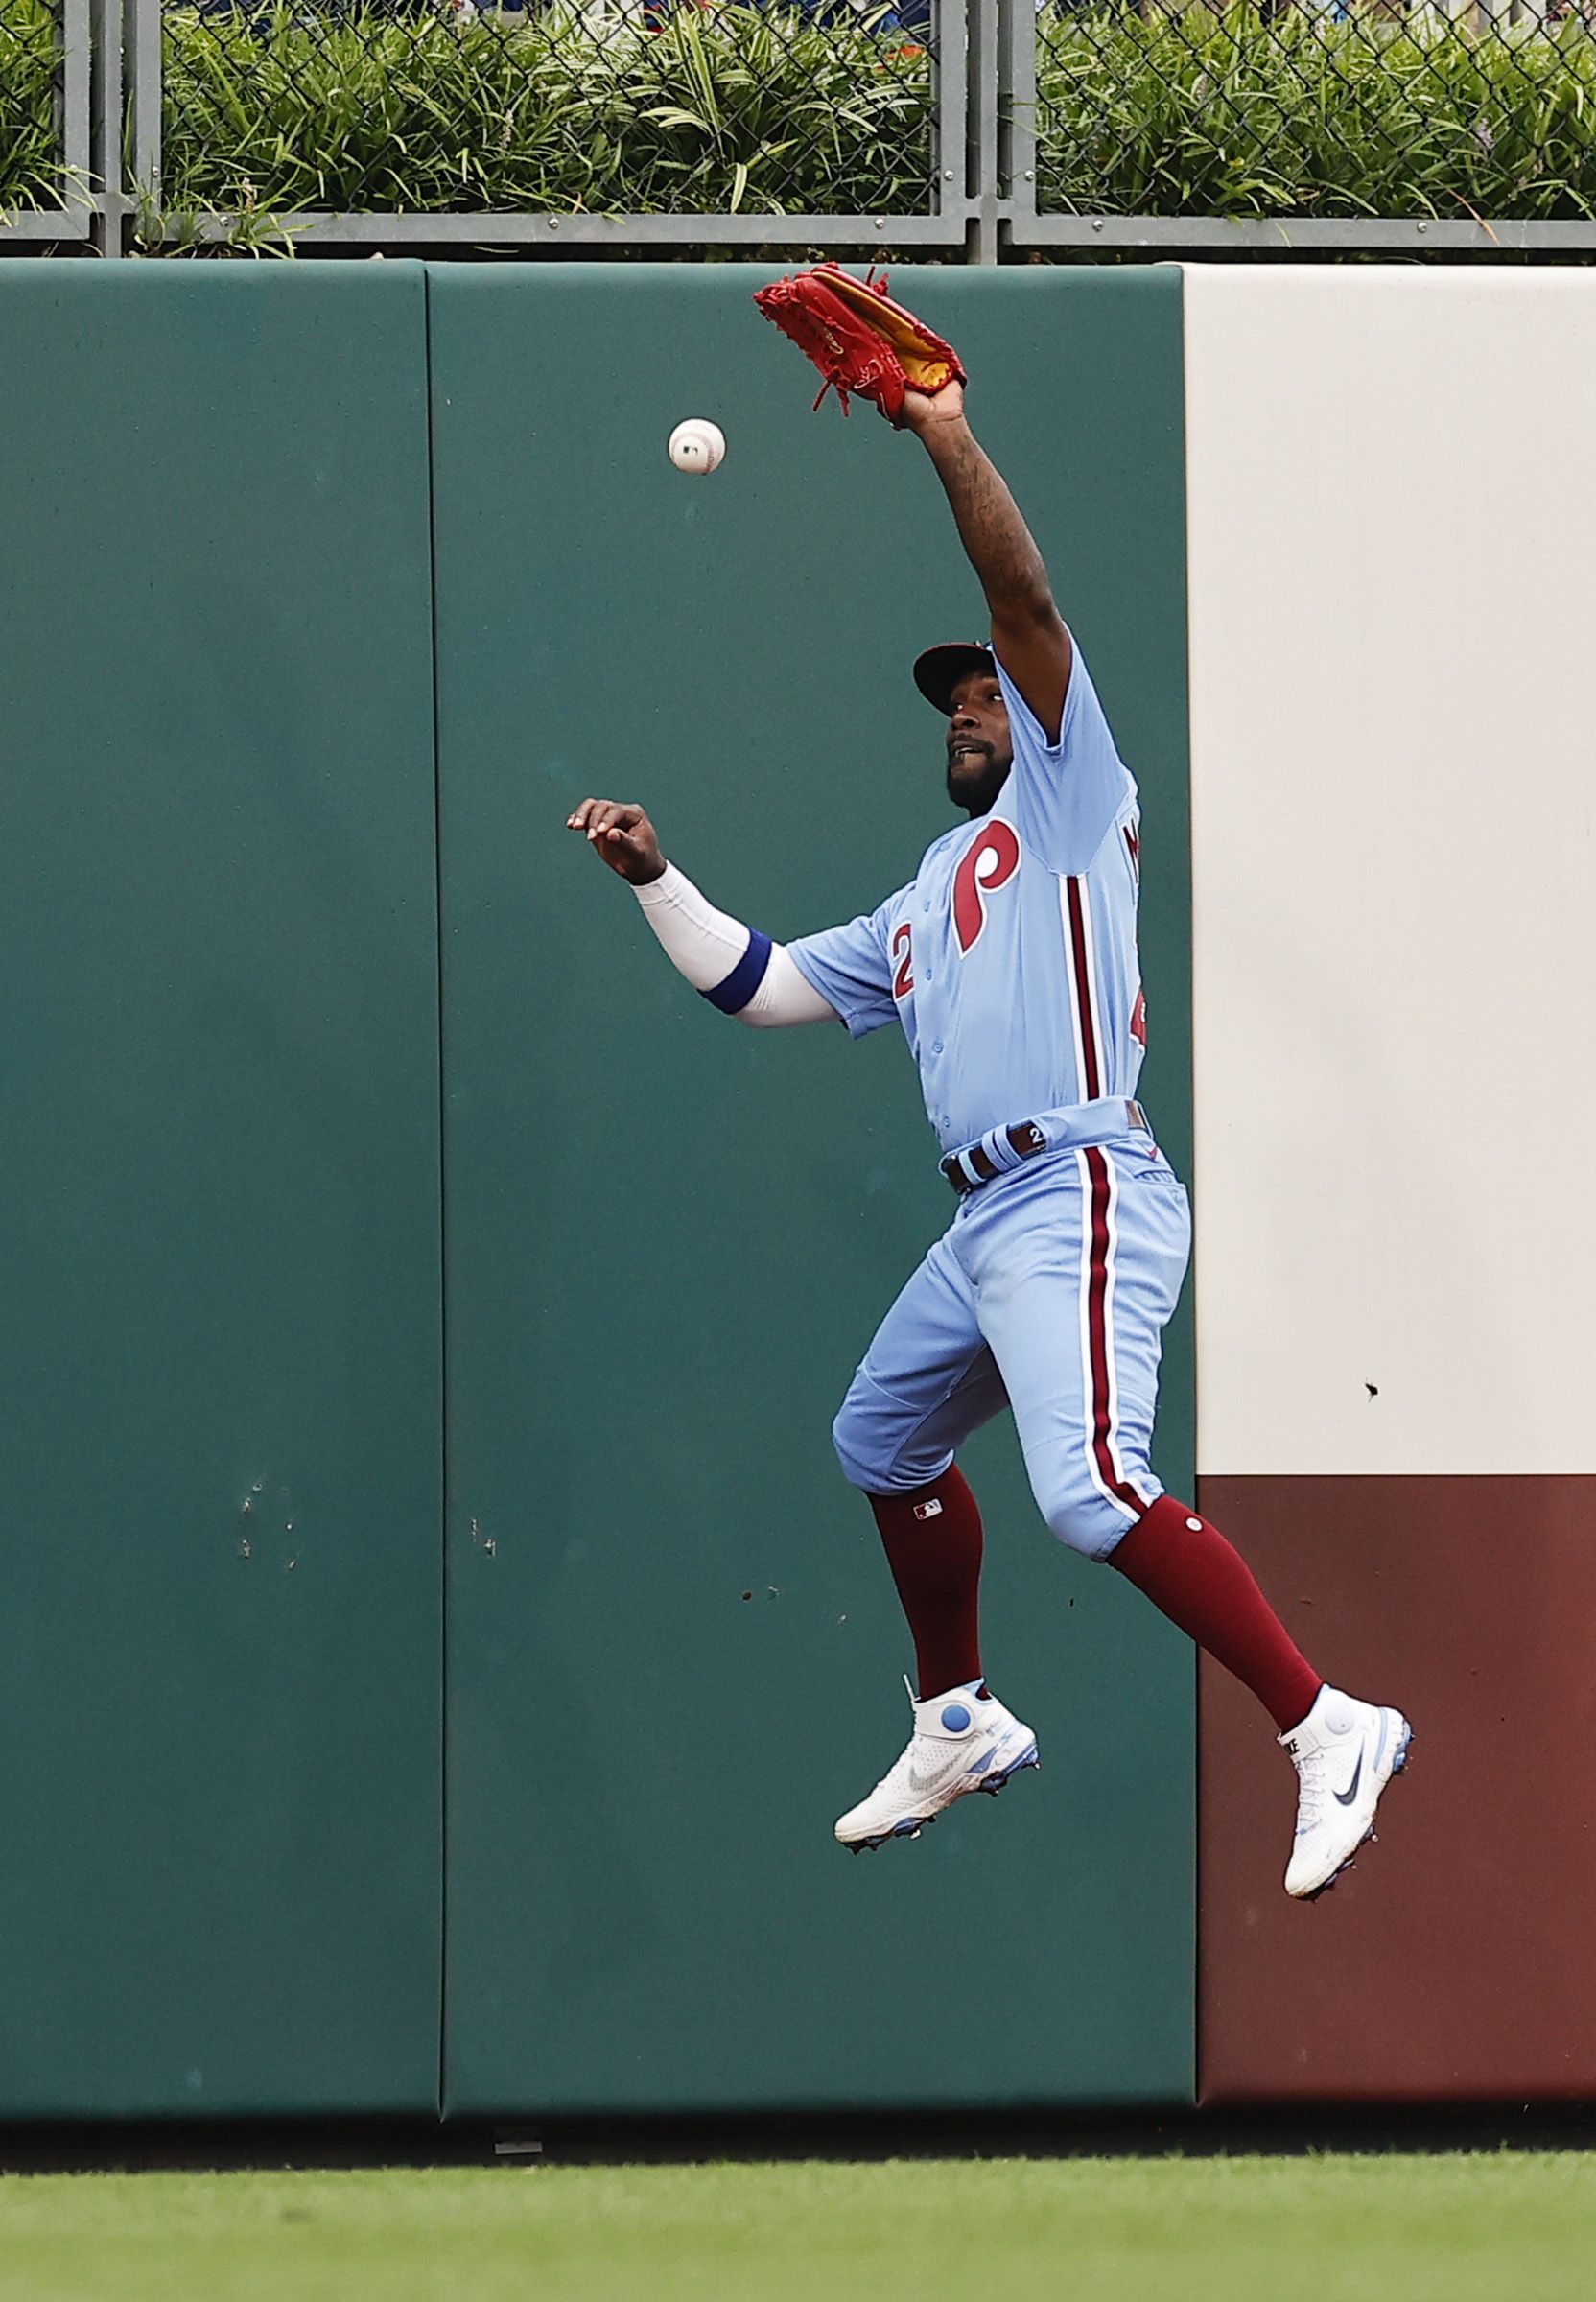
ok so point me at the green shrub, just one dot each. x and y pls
(754, 109)
(1237, 113)
(30, 174)
(1191, 110)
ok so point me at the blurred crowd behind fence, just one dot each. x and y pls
(964, 127)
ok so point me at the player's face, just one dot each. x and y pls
(979, 751)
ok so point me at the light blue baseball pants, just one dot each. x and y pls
(1049, 1294)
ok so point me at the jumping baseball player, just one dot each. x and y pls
(1010, 962)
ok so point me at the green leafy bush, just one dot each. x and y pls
(761, 111)
(30, 174)
(1238, 111)
(1197, 111)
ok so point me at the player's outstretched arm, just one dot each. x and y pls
(1027, 630)
(737, 969)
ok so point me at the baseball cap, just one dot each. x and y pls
(938, 672)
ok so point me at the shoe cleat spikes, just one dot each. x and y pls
(960, 1742)
(1336, 1876)
(1355, 1750)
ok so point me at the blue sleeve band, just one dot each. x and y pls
(733, 992)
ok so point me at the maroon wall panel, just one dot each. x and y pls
(1459, 1957)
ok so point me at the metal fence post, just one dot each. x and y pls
(75, 110)
(107, 59)
(1018, 20)
(951, 40)
(142, 68)
(982, 49)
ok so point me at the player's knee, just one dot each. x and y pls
(850, 1438)
(877, 1443)
(864, 1444)
(1076, 1509)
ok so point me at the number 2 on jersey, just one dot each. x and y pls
(903, 946)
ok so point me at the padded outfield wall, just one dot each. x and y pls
(673, 1655)
(220, 1484)
(427, 1315)
(253, 743)
(1393, 493)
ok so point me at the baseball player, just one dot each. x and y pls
(1010, 962)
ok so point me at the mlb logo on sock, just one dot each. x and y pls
(929, 1510)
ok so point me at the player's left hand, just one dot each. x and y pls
(621, 836)
(922, 411)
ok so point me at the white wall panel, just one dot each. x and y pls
(1392, 480)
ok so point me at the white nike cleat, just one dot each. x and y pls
(1346, 1752)
(963, 1741)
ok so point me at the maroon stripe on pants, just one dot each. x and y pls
(1097, 1333)
(1091, 1083)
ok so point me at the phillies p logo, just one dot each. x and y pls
(989, 863)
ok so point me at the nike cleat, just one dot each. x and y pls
(963, 1741)
(1345, 1752)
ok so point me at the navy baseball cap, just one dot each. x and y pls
(938, 672)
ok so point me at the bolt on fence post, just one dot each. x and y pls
(950, 159)
(1018, 120)
(142, 65)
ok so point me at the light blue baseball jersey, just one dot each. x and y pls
(1010, 958)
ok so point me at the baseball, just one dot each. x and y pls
(697, 445)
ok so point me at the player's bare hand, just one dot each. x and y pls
(623, 836)
(922, 411)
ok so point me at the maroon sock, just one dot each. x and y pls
(933, 1546)
(1201, 1583)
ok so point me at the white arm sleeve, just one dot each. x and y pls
(787, 996)
(710, 948)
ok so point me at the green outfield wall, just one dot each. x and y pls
(219, 1685)
(673, 1652)
(431, 1611)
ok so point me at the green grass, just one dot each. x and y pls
(1329, 2229)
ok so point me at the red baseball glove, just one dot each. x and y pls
(859, 339)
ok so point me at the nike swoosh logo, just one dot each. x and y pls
(1346, 1798)
(933, 1777)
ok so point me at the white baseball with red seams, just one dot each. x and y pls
(697, 445)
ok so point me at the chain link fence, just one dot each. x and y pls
(960, 125)
(1470, 109)
(622, 108)
(33, 144)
